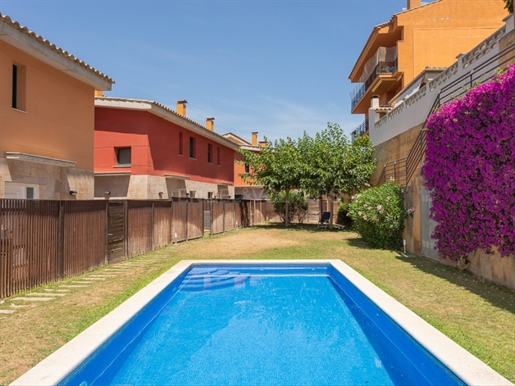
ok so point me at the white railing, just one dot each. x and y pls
(468, 70)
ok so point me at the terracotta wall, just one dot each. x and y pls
(155, 147)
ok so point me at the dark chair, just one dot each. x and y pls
(324, 220)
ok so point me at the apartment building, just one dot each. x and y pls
(46, 117)
(425, 37)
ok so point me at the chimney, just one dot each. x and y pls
(262, 143)
(414, 4)
(99, 93)
(210, 124)
(181, 108)
(254, 138)
(374, 102)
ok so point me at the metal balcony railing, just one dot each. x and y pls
(380, 68)
(360, 130)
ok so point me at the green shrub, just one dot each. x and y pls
(342, 217)
(378, 214)
(297, 206)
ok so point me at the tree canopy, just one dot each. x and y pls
(277, 167)
(332, 164)
(324, 164)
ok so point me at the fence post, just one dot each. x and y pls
(171, 221)
(106, 254)
(126, 226)
(187, 220)
(60, 258)
(203, 206)
(153, 225)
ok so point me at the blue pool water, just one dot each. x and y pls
(265, 325)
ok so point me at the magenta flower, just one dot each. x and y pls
(470, 170)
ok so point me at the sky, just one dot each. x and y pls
(276, 67)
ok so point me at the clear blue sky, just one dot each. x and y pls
(276, 67)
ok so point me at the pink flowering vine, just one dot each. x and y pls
(470, 170)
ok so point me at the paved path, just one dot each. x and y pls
(41, 295)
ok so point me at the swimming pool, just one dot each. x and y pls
(302, 322)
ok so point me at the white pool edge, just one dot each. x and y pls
(58, 365)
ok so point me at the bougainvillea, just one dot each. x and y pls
(470, 170)
(378, 215)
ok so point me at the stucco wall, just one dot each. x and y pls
(435, 34)
(58, 118)
(393, 149)
(54, 182)
(155, 147)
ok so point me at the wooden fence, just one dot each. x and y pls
(42, 241)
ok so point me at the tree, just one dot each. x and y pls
(333, 165)
(509, 5)
(277, 167)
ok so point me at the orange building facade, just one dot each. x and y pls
(144, 150)
(46, 118)
(430, 35)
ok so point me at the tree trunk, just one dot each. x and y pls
(331, 207)
(286, 209)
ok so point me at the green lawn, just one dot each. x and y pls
(477, 315)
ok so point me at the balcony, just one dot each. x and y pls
(378, 76)
(360, 130)
(382, 68)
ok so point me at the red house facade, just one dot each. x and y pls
(144, 150)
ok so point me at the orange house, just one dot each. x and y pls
(46, 117)
(245, 189)
(144, 150)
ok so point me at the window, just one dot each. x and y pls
(180, 144)
(209, 151)
(18, 87)
(218, 155)
(192, 194)
(123, 156)
(247, 169)
(192, 147)
(209, 195)
(29, 192)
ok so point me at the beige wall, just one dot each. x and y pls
(493, 267)
(143, 187)
(393, 149)
(54, 182)
(508, 58)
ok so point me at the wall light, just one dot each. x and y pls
(73, 192)
(107, 193)
(160, 194)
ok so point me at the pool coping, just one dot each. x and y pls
(54, 368)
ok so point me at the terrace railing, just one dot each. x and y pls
(380, 68)
(360, 130)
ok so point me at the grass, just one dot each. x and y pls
(476, 314)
